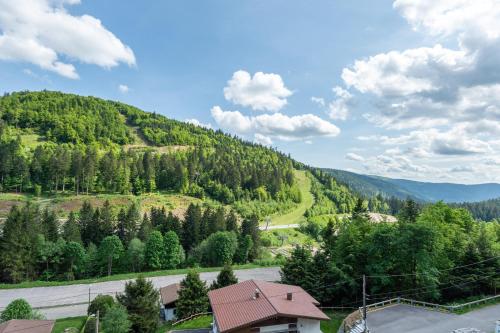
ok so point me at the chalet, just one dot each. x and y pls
(169, 296)
(27, 326)
(258, 306)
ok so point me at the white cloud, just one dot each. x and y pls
(198, 123)
(123, 88)
(262, 92)
(318, 100)
(443, 98)
(354, 157)
(41, 31)
(275, 125)
(339, 108)
(262, 139)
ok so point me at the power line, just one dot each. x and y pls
(438, 271)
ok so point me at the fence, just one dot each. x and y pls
(352, 321)
(191, 317)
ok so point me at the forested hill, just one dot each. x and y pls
(53, 142)
(421, 191)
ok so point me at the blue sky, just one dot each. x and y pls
(404, 75)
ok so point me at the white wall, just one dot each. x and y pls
(169, 314)
(308, 325)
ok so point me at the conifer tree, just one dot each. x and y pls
(85, 222)
(141, 301)
(191, 227)
(193, 297)
(50, 225)
(71, 232)
(145, 229)
(225, 278)
(107, 223)
(14, 248)
(232, 221)
(250, 226)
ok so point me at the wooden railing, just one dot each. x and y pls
(191, 317)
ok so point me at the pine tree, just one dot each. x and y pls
(250, 227)
(193, 297)
(13, 245)
(50, 225)
(121, 220)
(71, 232)
(107, 223)
(145, 229)
(85, 222)
(232, 221)
(225, 278)
(409, 212)
(191, 227)
(141, 301)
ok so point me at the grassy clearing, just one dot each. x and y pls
(285, 238)
(63, 204)
(297, 214)
(332, 325)
(31, 140)
(71, 322)
(117, 277)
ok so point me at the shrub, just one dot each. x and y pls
(19, 309)
(101, 303)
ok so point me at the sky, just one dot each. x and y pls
(404, 89)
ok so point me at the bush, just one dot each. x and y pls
(101, 303)
(217, 250)
(116, 320)
(19, 309)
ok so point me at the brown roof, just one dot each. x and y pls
(236, 305)
(169, 294)
(27, 326)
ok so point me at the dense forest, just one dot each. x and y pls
(438, 253)
(487, 210)
(101, 241)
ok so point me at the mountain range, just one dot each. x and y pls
(421, 191)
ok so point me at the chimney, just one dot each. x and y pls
(257, 293)
(289, 296)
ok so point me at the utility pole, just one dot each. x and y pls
(364, 304)
(89, 297)
(97, 322)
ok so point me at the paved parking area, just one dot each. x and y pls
(409, 319)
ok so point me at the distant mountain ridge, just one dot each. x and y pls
(421, 191)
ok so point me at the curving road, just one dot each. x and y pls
(72, 300)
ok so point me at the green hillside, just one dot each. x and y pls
(54, 147)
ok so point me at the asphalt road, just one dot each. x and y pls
(408, 319)
(73, 295)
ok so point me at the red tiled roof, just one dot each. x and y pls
(236, 305)
(27, 326)
(170, 293)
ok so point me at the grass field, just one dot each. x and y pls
(332, 325)
(285, 238)
(297, 214)
(71, 322)
(117, 277)
(62, 204)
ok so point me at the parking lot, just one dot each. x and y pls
(409, 319)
